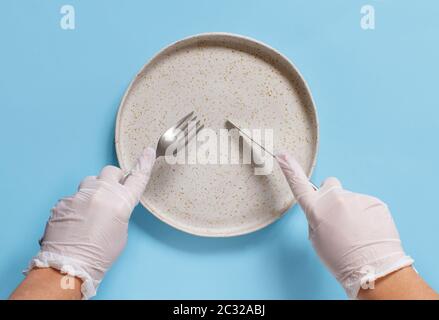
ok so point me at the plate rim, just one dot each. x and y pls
(203, 232)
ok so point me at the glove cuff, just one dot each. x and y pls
(65, 265)
(368, 274)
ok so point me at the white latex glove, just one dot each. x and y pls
(87, 231)
(354, 234)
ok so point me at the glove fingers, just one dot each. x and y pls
(137, 180)
(111, 174)
(330, 183)
(86, 181)
(297, 179)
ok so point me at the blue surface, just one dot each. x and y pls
(376, 93)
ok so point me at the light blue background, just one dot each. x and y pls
(376, 94)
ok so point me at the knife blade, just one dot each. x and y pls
(258, 144)
(245, 134)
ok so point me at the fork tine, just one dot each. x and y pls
(184, 125)
(188, 137)
(182, 120)
(199, 129)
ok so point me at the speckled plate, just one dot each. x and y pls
(219, 76)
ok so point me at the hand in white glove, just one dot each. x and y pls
(354, 234)
(87, 231)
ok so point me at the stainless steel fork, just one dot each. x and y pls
(179, 135)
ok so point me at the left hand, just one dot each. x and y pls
(87, 231)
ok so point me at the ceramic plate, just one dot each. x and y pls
(219, 76)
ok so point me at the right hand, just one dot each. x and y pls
(353, 234)
(86, 232)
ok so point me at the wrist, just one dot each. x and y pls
(404, 283)
(65, 266)
(48, 284)
(369, 268)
